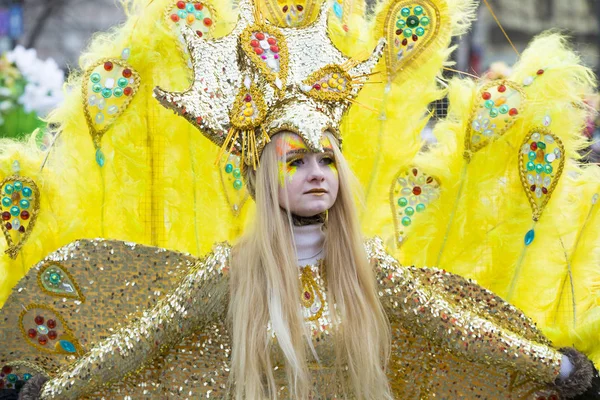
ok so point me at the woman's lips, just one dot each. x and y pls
(316, 192)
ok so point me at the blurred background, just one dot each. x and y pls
(40, 41)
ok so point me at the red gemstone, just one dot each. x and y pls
(43, 340)
(486, 95)
(544, 190)
(275, 49)
(404, 42)
(39, 320)
(127, 73)
(181, 5)
(32, 333)
(248, 98)
(416, 190)
(306, 295)
(258, 50)
(271, 41)
(51, 324)
(6, 215)
(540, 72)
(199, 33)
(174, 17)
(502, 88)
(22, 229)
(8, 226)
(260, 36)
(108, 66)
(513, 112)
(415, 38)
(52, 335)
(254, 43)
(415, 171)
(317, 86)
(532, 188)
(127, 91)
(207, 21)
(398, 31)
(285, 8)
(299, 7)
(533, 146)
(6, 370)
(199, 6)
(199, 120)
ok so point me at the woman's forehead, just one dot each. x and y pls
(287, 142)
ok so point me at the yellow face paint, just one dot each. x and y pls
(290, 144)
(328, 147)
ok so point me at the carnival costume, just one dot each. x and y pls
(451, 337)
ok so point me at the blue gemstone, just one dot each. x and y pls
(337, 9)
(529, 236)
(100, 157)
(27, 192)
(67, 346)
(12, 378)
(26, 377)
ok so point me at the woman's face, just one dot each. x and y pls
(308, 181)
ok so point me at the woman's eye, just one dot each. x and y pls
(296, 163)
(327, 160)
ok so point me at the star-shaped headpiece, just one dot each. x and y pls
(261, 79)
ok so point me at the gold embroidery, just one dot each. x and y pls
(311, 296)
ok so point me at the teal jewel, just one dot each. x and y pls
(412, 21)
(400, 23)
(96, 88)
(402, 202)
(407, 32)
(405, 12)
(190, 8)
(406, 221)
(418, 10)
(532, 155)
(228, 168)
(199, 15)
(6, 202)
(237, 173)
(494, 112)
(237, 184)
(425, 21)
(8, 189)
(503, 109)
(67, 346)
(100, 158)
(118, 92)
(12, 378)
(409, 211)
(541, 145)
(14, 210)
(27, 192)
(530, 166)
(529, 236)
(26, 377)
(337, 9)
(106, 93)
(95, 77)
(489, 103)
(420, 207)
(548, 168)
(24, 203)
(122, 82)
(547, 158)
(55, 278)
(539, 168)
(420, 31)
(18, 186)
(182, 14)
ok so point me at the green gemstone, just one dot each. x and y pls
(420, 31)
(402, 201)
(409, 211)
(14, 210)
(24, 203)
(406, 221)
(420, 207)
(96, 88)
(530, 166)
(418, 10)
(400, 23)
(541, 145)
(503, 109)
(6, 202)
(407, 32)
(494, 112)
(405, 12)
(539, 168)
(237, 173)
(26, 377)
(548, 168)
(118, 92)
(8, 189)
(532, 155)
(106, 93)
(237, 184)
(54, 277)
(18, 186)
(122, 82)
(228, 168)
(412, 21)
(12, 378)
(425, 21)
(95, 77)
(489, 103)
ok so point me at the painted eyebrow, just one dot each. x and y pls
(328, 151)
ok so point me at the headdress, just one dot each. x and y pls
(262, 79)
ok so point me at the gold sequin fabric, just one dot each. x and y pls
(152, 325)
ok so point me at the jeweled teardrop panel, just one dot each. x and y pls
(236, 193)
(266, 47)
(46, 330)
(290, 13)
(197, 16)
(57, 281)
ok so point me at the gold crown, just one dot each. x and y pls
(261, 79)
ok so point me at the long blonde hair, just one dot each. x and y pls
(265, 288)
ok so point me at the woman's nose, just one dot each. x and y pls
(316, 171)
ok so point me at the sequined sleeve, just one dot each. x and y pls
(200, 298)
(462, 317)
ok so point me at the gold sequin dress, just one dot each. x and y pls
(116, 320)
